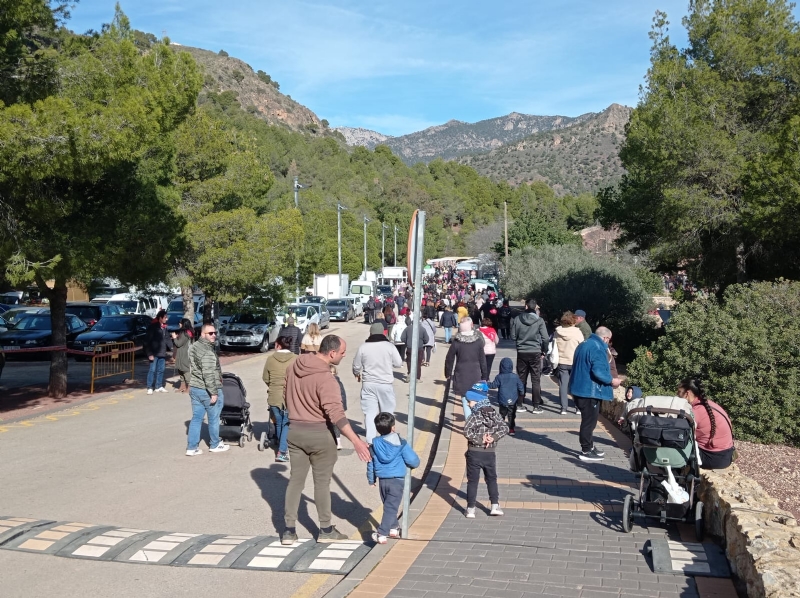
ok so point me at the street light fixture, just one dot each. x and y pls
(366, 220)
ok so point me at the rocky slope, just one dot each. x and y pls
(226, 73)
(574, 159)
(456, 138)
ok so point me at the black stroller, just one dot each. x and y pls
(235, 409)
(662, 430)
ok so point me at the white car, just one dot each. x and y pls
(357, 305)
(303, 314)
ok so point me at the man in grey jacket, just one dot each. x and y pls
(205, 390)
(372, 366)
(530, 333)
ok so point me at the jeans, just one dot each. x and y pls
(509, 413)
(155, 375)
(201, 405)
(315, 449)
(530, 363)
(465, 406)
(563, 372)
(281, 427)
(590, 409)
(376, 398)
(447, 333)
(485, 461)
(391, 496)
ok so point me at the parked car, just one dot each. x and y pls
(341, 309)
(358, 306)
(176, 305)
(246, 330)
(15, 314)
(35, 331)
(174, 322)
(91, 312)
(4, 308)
(304, 314)
(3, 324)
(313, 299)
(385, 290)
(113, 329)
(137, 304)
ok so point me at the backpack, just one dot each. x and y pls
(371, 303)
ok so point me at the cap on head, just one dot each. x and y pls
(376, 328)
(479, 392)
(580, 313)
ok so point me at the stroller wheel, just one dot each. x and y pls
(627, 514)
(699, 522)
(241, 441)
(262, 441)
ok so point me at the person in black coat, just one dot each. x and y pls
(156, 344)
(293, 332)
(465, 361)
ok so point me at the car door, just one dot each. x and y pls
(324, 317)
(74, 327)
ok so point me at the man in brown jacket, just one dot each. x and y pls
(314, 403)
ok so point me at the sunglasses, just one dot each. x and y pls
(213, 333)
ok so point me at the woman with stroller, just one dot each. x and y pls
(713, 429)
(311, 339)
(182, 340)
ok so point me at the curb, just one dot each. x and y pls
(352, 580)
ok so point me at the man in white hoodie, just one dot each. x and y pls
(372, 366)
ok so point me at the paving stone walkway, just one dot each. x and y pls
(561, 534)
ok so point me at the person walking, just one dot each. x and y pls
(530, 334)
(156, 343)
(205, 391)
(567, 338)
(509, 388)
(589, 383)
(582, 324)
(311, 339)
(294, 333)
(314, 403)
(448, 321)
(465, 361)
(373, 366)
(274, 376)
(396, 335)
(430, 344)
(406, 339)
(505, 320)
(182, 340)
(490, 341)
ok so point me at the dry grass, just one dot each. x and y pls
(777, 468)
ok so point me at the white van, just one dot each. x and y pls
(362, 289)
(138, 304)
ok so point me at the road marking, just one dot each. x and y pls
(54, 417)
(309, 588)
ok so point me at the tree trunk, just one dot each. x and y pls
(57, 388)
(208, 310)
(741, 264)
(188, 303)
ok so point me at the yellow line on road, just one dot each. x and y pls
(59, 415)
(309, 588)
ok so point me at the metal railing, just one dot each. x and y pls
(113, 359)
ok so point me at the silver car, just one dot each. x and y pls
(246, 330)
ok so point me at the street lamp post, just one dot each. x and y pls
(395, 245)
(383, 246)
(296, 186)
(339, 208)
(366, 220)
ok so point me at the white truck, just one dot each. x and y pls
(327, 285)
(393, 275)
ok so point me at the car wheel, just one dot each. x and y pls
(264, 346)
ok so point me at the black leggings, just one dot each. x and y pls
(509, 413)
(477, 461)
(428, 351)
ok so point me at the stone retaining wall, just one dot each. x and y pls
(762, 541)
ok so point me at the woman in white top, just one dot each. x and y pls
(311, 339)
(567, 337)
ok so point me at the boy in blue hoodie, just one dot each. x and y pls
(509, 390)
(390, 457)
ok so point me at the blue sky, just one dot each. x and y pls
(398, 67)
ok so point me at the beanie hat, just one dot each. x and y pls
(580, 313)
(479, 392)
(376, 328)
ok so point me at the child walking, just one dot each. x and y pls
(483, 430)
(391, 455)
(509, 389)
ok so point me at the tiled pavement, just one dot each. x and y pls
(561, 533)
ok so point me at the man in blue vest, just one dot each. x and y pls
(589, 383)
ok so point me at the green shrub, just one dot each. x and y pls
(746, 348)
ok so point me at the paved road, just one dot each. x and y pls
(119, 461)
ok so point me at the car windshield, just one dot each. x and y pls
(294, 310)
(385, 289)
(84, 311)
(174, 320)
(337, 303)
(34, 323)
(361, 289)
(126, 305)
(177, 305)
(114, 324)
(13, 316)
(246, 318)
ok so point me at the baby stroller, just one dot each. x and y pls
(664, 453)
(235, 409)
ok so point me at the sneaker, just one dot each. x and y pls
(338, 444)
(563, 412)
(521, 409)
(282, 457)
(576, 412)
(332, 536)
(590, 456)
(496, 510)
(220, 448)
(598, 452)
(288, 538)
(511, 432)
(193, 452)
(470, 512)
(406, 378)
(162, 389)
(537, 411)
(376, 537)
(149, 391)
(394, 533)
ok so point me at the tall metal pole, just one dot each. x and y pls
(339, 208)
(395, 245)
(505, 225)
(296, 261)
(415, 347)
(365, 246)
(383, 246)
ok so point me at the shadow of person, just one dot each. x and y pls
(272, 482)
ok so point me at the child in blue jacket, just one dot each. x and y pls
(509, 389)
(391, 455)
